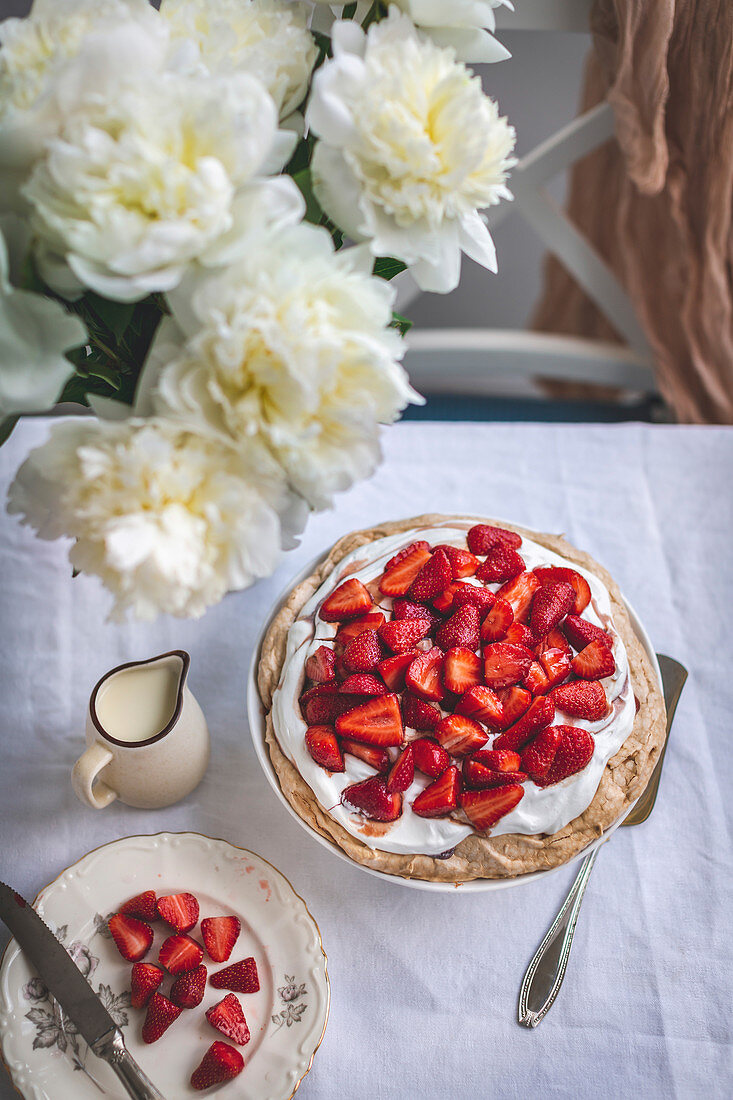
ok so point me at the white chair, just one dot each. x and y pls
(489, 361)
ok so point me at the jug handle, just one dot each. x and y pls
(87, 768)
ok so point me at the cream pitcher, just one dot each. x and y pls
(147, 739)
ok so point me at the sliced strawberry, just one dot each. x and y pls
(319, 667)
(424, 676)
(502, 564)
(550, 605)
(417, 714)
(405, 553)
(219, 935)
(393, 669)
(482, 598)
(372, 799)
(537, 681)
(362, 684)
(347, 601)
(483, 537)
(444, 602)
(514, 702)
(594, 662)
(402, 771)
(228, 1018)
(144, 906)
(377, 722)
(180, 911)
(406, 609)
(500, 760)
(320, 705)
(397, 580)
(573, 754)
(482, 704)
(132, 936)
(539, 754)
(519, 593)
(144, 981)
(462, 562)
(462, 629)
(372, 621)
(539, 714)
(180, 953)
(505, 664)
(459, 734)
(160, 1015)
(555, 658)
(188, 989)
(432, 579)
(324, 748)
(580, 633)
(430, 757)
(403, 634)
(370, 754)
(548, 574)
(519, 634)
(484, 808)
(363, 652)
(497, 622)
(241, 977)
(220, 1063)
(461, 670)
(441, 797)
(582, 699)
(480, 777)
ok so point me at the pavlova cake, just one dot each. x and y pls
(449, 699)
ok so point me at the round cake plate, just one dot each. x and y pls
(48, 1060)
(257, 725)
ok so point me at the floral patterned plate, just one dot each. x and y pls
(48, 1060)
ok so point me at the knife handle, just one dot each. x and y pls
(112, 1048)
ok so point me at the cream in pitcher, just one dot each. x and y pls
(148, 743)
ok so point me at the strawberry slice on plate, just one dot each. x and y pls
(519, 593)
(485, 808)
(372, 799)
(180, 911)
(424, 676)
(403, 634)
(132, 937)
(144, 906)
(348, 601)
(482, 704)
(441, 797)
(505, 664)
(144, 980)
(502, 564)
(573, 754)
(370, 754)
(430, 757)
(188, 989)
(417, 714)
(461, 670)
(393, 669)
(582, 699)
(324, 748)
(396, 580)
(580, 633)
(160, 1015)
(483, 537)
(432, 579)
(402, 771)
(363, 652)
(319, 667)
(362, 684)
(180, 953)
(496, 624)
(539, 714)
(462, 629)
(540, 753)
(377, 722)
(548, 574)
(550, 605)
(220, 935)
(228, 1018)
(221, 1062)
(241, 977)
(459, 734)
(594, 662)
(462, 562)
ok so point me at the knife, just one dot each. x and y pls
(73, 993)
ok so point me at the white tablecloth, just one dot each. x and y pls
(425, 986)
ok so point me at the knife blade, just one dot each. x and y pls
(72, 991)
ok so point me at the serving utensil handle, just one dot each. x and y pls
(112, 1049)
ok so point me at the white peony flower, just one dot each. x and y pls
(290, 347)
(34, 334)
(266, 38)
(149, 174)
(170, 520)
(411, 149)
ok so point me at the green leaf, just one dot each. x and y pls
(304, 182)
(386, 267)
(115, 315)
(402, 324)
(6, 427)
(349, 11)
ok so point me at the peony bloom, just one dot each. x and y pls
(290, 347)
(170, 520)
(267, 38)
(411, 149)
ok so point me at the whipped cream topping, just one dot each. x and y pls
(541, 810)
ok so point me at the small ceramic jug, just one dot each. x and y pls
(148, 743)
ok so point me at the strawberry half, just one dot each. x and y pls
(188, 989)
(363, 652)
(406, 552)
(377, 722)
(582, 699)
(160, 1015)
(219, 935)
(372, 799)
(430, 757)
(479, 777)
(505, 664)
(444, 602)
(393, 669)
(482, 598)
(434, 576)
(539, 714)
(180, 953)
(402, 771)
(540, 753)
(499, 760)
(502, 564)
(424, 676)
(396, 581)
(547, 574)
(374, 757)
(555, 656)
(497, 622)
(519, 593)
(144, 980)
(324, 748)
(417, 714)
(241, 977)
(406, 609)
(520, 634)
(573, 754)
(220, 1063)
(462, 629)
(537, 681)
(594, 662)
(228, 1018)
(441, 797)
(580, 633)
(320, 704)
(482, 704)
(403, 634)
(180, 911)
(319, 667)
(132, 936)
(484, 808)
(514, 703)
(361, 683)
(462, 562)
(461, 670)
(550, 605)
(347, 601)
(371, 621)
(483, 537)
(144, 906)
(459, 734)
